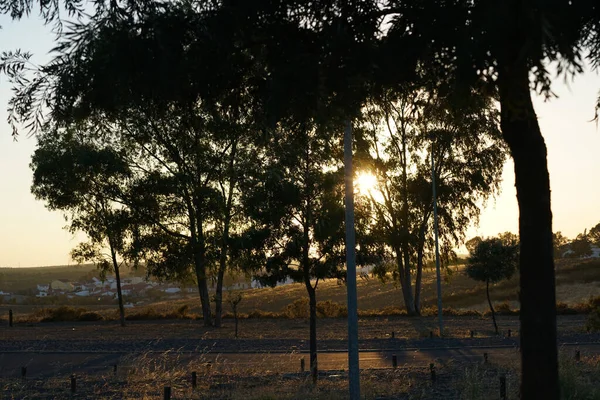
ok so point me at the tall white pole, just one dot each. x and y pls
(354, 372)
(437, 246)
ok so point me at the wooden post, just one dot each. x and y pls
(502, 387)
(167, 394)
(115, 369)
(432, 370)
(485, 358)
(302, 364)
(23, 372)
(194, 380)
(73, 384)
(431, 334)
(392, 334)
(10, 318)
(508, 333)
(208, 366)
(577, 355)
(394, 361)
(472, 334)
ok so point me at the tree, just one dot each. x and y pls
(580, 246)
(472, 244)
(85, 180)
(594, 235)
(468, 157)
(559, 244)
(493, 260)
(297, 202)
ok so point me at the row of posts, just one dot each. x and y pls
(432, 371)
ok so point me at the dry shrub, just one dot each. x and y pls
(331, 309)
(61, 314)
(593, 321)
(297, 309)
(503, 309)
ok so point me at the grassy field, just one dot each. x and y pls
(577, 282)
(453, 380)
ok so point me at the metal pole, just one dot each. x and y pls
(437, 245)
(354, 373)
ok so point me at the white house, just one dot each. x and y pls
(43, 288)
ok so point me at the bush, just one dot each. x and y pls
(331, 309)
(60, 314)
(593, 322)
(297, 309)
(90, 316)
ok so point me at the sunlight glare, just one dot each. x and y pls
(365, 182)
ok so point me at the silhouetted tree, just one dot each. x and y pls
(491, 261)
(86, 180)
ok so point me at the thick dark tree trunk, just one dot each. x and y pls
(113, 255)
(487, 292)
(539, 361)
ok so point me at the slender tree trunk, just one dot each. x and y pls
(539, 360)
(225, 238)
(420, 256)
(487, 292)
(200, 268)
(406, 287)
(113, 255)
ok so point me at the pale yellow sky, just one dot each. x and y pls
(32, 236)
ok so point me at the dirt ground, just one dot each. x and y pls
(148, 374)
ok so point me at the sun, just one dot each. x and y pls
(366, 182)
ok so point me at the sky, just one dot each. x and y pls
(30, 235)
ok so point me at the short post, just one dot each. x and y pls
(431, 334)
(23, 372)
(472, 334)
(485, 358)
(508, 333)
(167, 394)
(115, 369)
(392, 334)
(503, 387)
(302, 364)
(577, 355)
(10, 318)
(432, 370)
(73, 384)
(194, 380)
(208, 366)
(394, 361)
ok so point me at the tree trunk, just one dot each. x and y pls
(487, 292)
(200, 268)
(225, 239)
(420, 256)
(113, 255)
(539, 361)
(409, 302)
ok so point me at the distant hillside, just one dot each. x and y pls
(20, 279)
